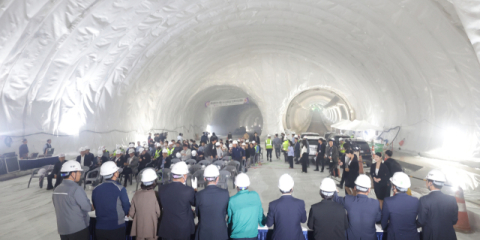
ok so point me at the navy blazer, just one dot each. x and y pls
(401, 211)
(176, 201)
(363, 213)
(211, 208)
(437, 213)
(286, 213)
(88, 160)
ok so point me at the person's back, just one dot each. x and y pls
(328, 220)
(437, 213)
(393, 166)
(245, 213)
(176, 201)
(287, 213)
(363, 213)
(145, 211)
(211, 209)
(399, 214)
(71, 207)
(111, 204)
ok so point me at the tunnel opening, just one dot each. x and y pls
(237, 120)
(315, 110)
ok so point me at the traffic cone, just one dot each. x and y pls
(463, 225)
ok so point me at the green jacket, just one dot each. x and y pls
(245, 213)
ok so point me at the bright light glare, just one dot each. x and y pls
(455, 143)
(368, 135)
(209, 128)
(70, 123)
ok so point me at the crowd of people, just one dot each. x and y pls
(165, 211)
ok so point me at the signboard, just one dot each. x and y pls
(229, 102)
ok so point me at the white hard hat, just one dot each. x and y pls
(243, 144)
(131, 145)
(178, 155)
(253, 141)
(180, 168)
(437, 176)
(230, 146)
(211, 171)
(149, 175)
(61, 155)
(340, 139)
(118, 151)
(71, 166)
(108, 168)
(194, 153)
(117, 146)
(170, 143)
(328, 185)
(247, 141)
(100, 152)
(242, 180)
(131, 151)
(285, 183)
(268, 135)
(165, 151)
(102, 148)
(81, 149)
(235, 142)
(157, 144)
(141, 149)
(363, 181)
(401, 180)
(87, 148)
(217, 144)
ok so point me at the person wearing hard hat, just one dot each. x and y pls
(166, 161)
(130, 166)
(363, 212)
(399, 213)
(144, 158)
(269, 147)
(277, 144)
(90, 158)
(170, 148)
(145, 208)
(437, 212)
(158, 152)
(219, 150)
(211, 208)
(286, 213)
(328, 219)
(237, 153)
(195, 155)
(56, 173)
(72, 204)
(101, 158)
(81, 158)
(119, 159)
(111, 204)
(176, 201)
(245, 212)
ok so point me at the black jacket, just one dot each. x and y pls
(399, 214)
(176, 201)
(145, 159)
(120, 162)
(296, 149)
(353, 171)
(210, 151)
(88, 160)
(321, 151)
(393, 167)
(328, 220)
(382, 189)
(287, 213)
(437, 213)
(211, 208)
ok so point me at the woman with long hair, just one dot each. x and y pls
(380, 175)
(304, 156)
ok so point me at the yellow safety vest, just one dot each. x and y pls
(158, 153)
(342, 149)
(170, 151)
(285, 145)
(268, 144)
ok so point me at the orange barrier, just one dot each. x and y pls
(463, 224)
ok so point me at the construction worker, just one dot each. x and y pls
(245, 211)
(170, 148)
(285, 145)
(437, 212)
(277, 143)
(342, 150)
(399, 213)
(328, 219)
(269, 147)
(111, 204)
(363, 212)
(287, 212)
(158, 152)
(211, 208)
(71, 204)
(177, 200)
(56, 173)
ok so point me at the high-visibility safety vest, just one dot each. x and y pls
(170, 151)
(158, 152)
(285, 145)
(268, 144)
(342, 149)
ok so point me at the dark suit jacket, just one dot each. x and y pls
(176, 201)
(87, 161)
(382, 188)
(286, 213)
(211, 208)
(393, 166)
(321, 151)
(401, 211)
(437, 213)
(353, 172)
(328, 220)
(363, 213)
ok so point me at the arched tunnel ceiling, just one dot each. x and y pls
(135, 65)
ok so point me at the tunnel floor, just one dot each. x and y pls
(33, 206)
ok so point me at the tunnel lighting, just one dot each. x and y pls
(209, 128)
(70, 123)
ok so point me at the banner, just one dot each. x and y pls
(229, 102)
